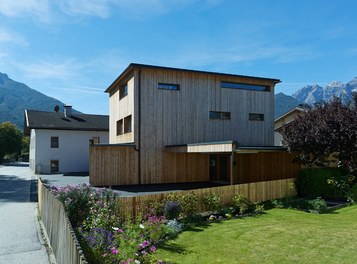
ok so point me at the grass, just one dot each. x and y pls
(279, 236)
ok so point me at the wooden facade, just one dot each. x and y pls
(180, 115)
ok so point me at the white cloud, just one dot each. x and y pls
(45, 69)
(11, 37)
(38, 9)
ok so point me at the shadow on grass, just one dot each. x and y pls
(174, 248)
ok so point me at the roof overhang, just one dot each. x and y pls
(220, 147)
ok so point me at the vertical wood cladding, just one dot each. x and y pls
(170, 117)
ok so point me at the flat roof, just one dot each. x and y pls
(138, 65)
(221, 147)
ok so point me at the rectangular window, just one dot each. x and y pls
(167, 86)
(54, 142)
(256, 117)
(127, 124)
(243, 86)
(54, 166)
(219, 115)
(95, 140)
(123, 91)
(120, 127)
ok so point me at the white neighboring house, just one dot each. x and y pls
(59, 142)
(285, 119)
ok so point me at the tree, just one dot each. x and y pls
(324, 131)
(10, 140)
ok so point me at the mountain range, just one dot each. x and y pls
(16, 96)
(311, 94)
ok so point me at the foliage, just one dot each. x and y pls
(212, 201)
(242, 203)
(25, 148)
(172, 210)
(10, 140)
(326, 130)
(343, 184)
(174, 227)
(318, 205)
(105, 237)
(188, 202)
(259, 208)
(313, 182)
(353, 193)
(280, 236)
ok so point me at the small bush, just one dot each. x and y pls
(242, 203)
(313, 182)
(188, 203)
(172, 209)
(318, 205)
(353, 193)
(174, 227)
(212, 201)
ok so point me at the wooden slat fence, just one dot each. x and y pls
(255, 192)
(58, 228)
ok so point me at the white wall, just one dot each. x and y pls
(72, 153)
(32, 149)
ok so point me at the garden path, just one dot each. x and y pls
(20, 240)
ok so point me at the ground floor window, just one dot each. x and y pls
(54, 166)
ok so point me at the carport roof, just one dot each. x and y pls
(221, 147)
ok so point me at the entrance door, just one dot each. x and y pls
(219, 167)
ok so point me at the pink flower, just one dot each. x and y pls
(114, 251)
(153, 249)
(105, 254)
(120, 231)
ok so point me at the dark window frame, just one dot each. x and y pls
(245, 86)
(256, 117)
(54, 142)
(123, 91)
(168, 86)
(219, 115)
(120, 127)
(128, 124)
(54, 168)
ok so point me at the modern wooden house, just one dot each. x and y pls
(171, 125)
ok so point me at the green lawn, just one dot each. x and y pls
(279, 236)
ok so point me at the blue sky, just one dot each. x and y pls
(73, 49)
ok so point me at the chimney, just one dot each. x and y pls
(67, 110)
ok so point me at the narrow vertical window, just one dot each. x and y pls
(120, 127)
(95, 140)
(54, 166)
(54, 142)
(123, 91)
(127, 124)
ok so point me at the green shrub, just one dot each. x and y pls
(318, 205)
(188, 203)
(242, 203)
(212, 201)
(353, 193)
(313, 182)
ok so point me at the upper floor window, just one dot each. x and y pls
(219, 115)
(54, 142)
(123, 91)
(127, 124)
(243, 86)
(256, 117)
(168, 86)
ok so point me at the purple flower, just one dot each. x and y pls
(153, 249)
(114, 251)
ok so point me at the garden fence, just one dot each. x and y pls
(58, 228)
(255, 192)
